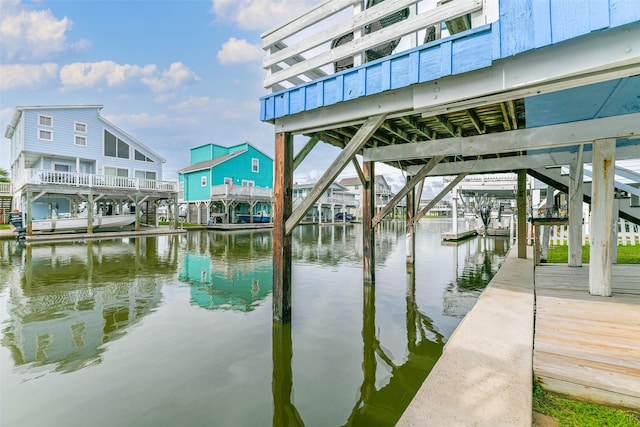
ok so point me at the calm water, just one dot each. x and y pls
(177, 330)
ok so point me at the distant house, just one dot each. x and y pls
(63, 158)
(336, 200)
(227, 184)
(382, 189)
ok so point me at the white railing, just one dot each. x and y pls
(336, 199)
(48, 177)
(240, 191)
(5, 188)
(339, 32)
(494, 177)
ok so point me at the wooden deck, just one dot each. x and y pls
(587, 346)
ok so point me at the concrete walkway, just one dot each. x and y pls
(484, 376)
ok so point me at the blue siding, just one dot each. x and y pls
(606, 99)
(522, 25)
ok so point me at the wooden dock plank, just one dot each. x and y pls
(588, 346)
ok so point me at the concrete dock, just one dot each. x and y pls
(484, 376)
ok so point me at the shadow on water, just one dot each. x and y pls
(355, 354)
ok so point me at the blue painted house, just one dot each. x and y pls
(227, 184)
(65, 157)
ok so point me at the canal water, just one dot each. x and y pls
(176, 330)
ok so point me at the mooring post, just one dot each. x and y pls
(282, 208)
(547, 228)
(522, 213)
(410, 228)
(368, 232)
(90, 213)
(600, 238)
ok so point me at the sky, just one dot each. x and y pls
(174, 74)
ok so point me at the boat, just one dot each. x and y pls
(262, 217)
(78, 224)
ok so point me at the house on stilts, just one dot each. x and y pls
(453, 88)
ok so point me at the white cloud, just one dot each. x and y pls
(237, 51)
(88, 74)
(15, 76)
(260, 14)
(29, 35)
(176, 75)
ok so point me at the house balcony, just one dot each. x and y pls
(5, 189)
(57, 180)
(226, 191)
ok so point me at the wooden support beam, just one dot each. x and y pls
(417, 127)
(302, 154)
(410, 226)
(521, 203)
(480, 127)
(358, 169)
(576, 178)
(90, 203)
(439, 197)
(505, 117)
(511, 109)
(354, 146)
(419, 194)
(445, 122)
(368, 230)
(560, 135)
(283, 202)
(600, 241)
(424, 171)
(29, 213)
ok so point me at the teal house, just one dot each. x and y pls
(227, 185)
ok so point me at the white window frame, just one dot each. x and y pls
(255, 165)
(203, 181)
(248, 183)
(82, 137)
(50, 132)
(42, 116)
(75, 127)
(155, 177)
(228, 181)
(64, 165)
(116, 169)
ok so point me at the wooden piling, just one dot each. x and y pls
(522, 213)
(282, 208)
(410, 229)
(368, 231)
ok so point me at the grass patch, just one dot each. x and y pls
(5, 227)
(626, 254)
(577, 413)
(180, 224)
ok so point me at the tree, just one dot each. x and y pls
(4, 175)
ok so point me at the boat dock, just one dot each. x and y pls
(542, 322)
(461, 235)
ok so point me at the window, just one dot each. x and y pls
(108, 171)
(61, 168)
(255, 165)
(246, 183)
(228, 181)
(203, 181)
(146, 175)
(80, 127)
(80, 140)
(45, 121)
(139, 156)
(45, 135)
(114, 146)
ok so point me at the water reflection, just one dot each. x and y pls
(482, 257)
(75, 297)
(354, 355)
(228, 271)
